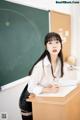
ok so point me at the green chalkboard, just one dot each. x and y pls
(22, 31)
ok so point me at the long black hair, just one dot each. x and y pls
(48, 38)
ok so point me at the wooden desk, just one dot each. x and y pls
(57, 108)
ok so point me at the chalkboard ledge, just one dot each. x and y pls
(15, 83)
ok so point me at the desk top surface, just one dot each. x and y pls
(56, 99)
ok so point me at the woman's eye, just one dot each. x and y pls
(49, 42)
(57, 42)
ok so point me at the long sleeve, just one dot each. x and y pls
(36, 76)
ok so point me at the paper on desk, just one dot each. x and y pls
(66, 87)
(66, 83)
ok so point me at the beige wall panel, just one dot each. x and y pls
(61, 23)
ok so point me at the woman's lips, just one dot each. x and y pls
(54, 50)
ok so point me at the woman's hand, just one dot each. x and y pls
(51, 89)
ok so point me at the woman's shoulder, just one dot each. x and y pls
(42, 62)
(39, 64)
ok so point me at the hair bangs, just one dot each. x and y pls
(52, 37)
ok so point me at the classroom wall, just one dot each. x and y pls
(9, 100)
(75, 31)
(12, 95)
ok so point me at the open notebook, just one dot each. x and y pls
(66, 86)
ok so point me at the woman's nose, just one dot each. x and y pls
(54, 45)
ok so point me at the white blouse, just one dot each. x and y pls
(42, 75)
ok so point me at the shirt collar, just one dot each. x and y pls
(58, 67)
(46, 61)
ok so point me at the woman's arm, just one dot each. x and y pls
(34, 85)
(36, 76)
(51, 89)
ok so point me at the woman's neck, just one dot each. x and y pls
(53, 59)
(53, 64)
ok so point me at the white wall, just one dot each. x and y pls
(9, 98)
(75, 31)
(44, 4)
(41, 4)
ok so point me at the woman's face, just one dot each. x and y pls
(53, 46)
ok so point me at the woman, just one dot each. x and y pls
(48, 68)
